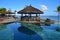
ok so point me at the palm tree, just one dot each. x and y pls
(58, 10)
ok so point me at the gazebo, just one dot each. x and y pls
(30, 10)
(9, 13)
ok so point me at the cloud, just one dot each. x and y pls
(43, 7)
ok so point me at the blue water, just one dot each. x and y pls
(50, 17)
(11, 32)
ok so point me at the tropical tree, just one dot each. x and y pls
(2, 11)
(58, 10)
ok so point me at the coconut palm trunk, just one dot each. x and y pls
(58, 10)
(58, 19)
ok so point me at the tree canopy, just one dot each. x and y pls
(58, 8)
(2, 10)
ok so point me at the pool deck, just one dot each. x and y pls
(11, 20)
(40, 22)
(8, 20)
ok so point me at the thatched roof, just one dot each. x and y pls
(8, 12)
(30, 10)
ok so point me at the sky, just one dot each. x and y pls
(47, 6)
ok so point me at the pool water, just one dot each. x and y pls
(11, 32)
(15, 31)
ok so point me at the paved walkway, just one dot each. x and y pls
(8, 20)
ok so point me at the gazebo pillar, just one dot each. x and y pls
(36, 15)
(30, 15)
(21, 15)
(40, 19)
(39, 15)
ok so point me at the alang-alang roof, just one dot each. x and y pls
(8, 12)
(30, 10)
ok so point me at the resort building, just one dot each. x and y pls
(9, 13)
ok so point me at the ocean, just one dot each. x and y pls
(11, 31)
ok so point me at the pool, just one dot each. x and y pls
(11, 32)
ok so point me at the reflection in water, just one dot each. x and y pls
(26, 30)
(2, 26)
(6, 32)
(58, 29)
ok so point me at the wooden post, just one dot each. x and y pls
(30, 15)
(36, 15)
(21, 16)
(39, 19)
